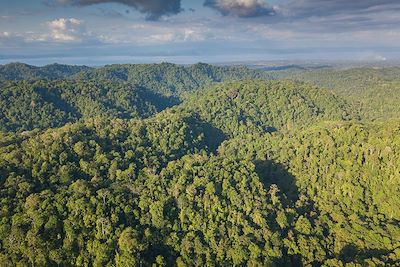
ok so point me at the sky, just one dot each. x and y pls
(98, 32)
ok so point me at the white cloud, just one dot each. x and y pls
(6, 17)
(231, 4)
(241, 8)
(10, 39)
(62, 30)
(67, 30)
(5, 34)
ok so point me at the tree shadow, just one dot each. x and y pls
(351, 253)
(158, 100)
(271, 172)
(53, 97)
(270, 129)
(213, 137)
(157, 248)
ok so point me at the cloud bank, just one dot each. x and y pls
(284, 28)
(154, 9)
(307, 8)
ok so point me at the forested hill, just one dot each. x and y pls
(150, 191)
(116, 91)
(20, 71)
(347, 176)
(247, 106)
(265, 106)
(376, 91)
(26, 105)
(170, 79)
(166, 78)
(166, 165)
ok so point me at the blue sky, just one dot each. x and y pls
(96, 32)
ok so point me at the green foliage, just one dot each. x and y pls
(115, 91)
(264, 106)
(348, 172)
(102, 192)
(42, 104)
(170, 79)
(20, 71)
(243, 173)
(374, 91)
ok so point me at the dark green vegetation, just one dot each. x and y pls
(115, 172)
(374, 91)
(169, 79)
(26, 105)
(20, 71)
(260, 106)
(115, 91)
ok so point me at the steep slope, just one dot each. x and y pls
(346, 177)
(149, 191)
(375, 91)
(26, 105)
(264, 106)
(114, 185)
(20, 71)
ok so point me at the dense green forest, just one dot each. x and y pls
(374, 91)
(20, 71)
(43, 100)
(265, 106)
(166, 165)
(40, 104)
(170, 79)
